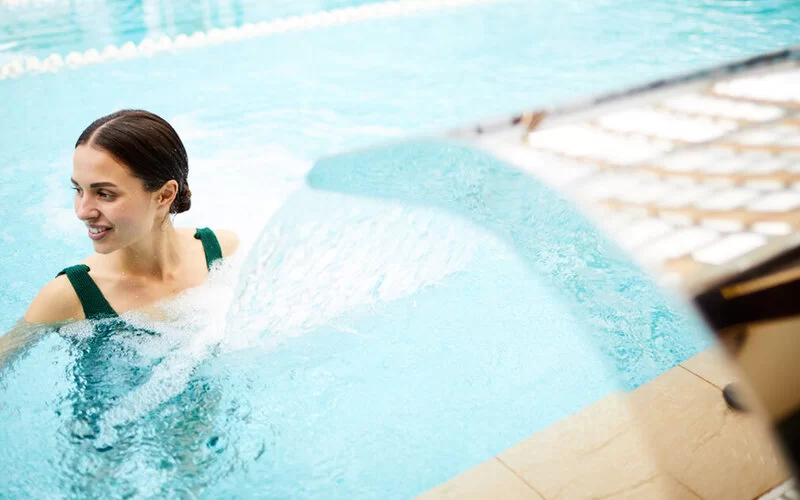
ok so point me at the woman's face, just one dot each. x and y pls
(113, 204)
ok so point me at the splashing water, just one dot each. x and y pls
(307, 271)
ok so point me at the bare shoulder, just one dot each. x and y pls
(228, 241)
(55, 302)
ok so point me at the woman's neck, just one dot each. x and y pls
(156, 256)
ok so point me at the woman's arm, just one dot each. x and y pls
(54, 305)
(22, 336)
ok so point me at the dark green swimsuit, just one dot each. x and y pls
(95, 305)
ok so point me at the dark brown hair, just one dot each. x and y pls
(148, 146)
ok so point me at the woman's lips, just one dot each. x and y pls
(98, 233)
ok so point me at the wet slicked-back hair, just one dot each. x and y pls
(148, 146)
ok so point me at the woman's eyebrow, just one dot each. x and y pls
(96, 184)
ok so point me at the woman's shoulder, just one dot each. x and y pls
(228, 241)
(55, 302)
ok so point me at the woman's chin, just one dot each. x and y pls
(103, 247)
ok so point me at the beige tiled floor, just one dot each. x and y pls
(491, 479)
(713, 366)
(673, 437)
(597, 452)
(715, 452)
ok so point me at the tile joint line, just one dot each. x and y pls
(529, 485)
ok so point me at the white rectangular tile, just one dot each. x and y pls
(652, 122)
(729, 248)
(697, 103)
(689, 195)
(772, 228)
(723, 225)
(780, 201)
(727, 199)
(642, 232)
(677, 244)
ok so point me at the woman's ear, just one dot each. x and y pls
(167, 193)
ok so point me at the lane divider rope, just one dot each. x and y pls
(215, 36)
(11, 4)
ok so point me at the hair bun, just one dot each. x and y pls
(183, 201)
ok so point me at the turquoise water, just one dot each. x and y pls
(404, 313)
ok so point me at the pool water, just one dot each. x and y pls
(395, 316)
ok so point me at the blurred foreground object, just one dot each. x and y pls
(698, 177)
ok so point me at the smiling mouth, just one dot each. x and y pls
(97, 232)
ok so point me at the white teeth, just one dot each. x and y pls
(96, 230)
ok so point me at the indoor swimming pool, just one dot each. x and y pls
(401, 308)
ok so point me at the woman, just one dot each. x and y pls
(129, 174)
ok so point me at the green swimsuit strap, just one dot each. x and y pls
(210, 245)
(94, 303)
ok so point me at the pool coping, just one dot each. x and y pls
(673, 437)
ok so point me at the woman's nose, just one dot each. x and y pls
(85, 209)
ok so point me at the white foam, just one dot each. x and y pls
(185, 331)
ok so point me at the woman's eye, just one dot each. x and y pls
(77, 190)
(106, 196)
